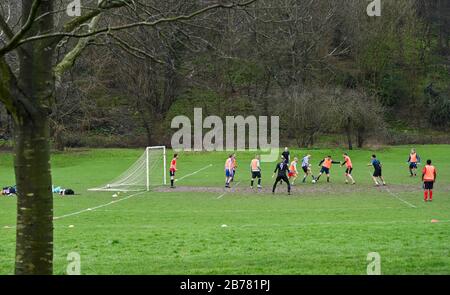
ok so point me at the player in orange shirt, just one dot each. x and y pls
(429, 174)
(326, 165)
(349, 168)
(228, 170)
(173, 169)
(293, 172)
(255, 168)
(413, 161)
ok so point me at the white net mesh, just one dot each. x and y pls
(147, 171)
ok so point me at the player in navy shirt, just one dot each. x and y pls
(377, 174)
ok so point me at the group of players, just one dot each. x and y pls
(287, 171)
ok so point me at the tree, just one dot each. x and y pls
(28, 94)
(356, 114)
(307, 116)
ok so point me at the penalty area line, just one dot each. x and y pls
(400, 199)
(395, 196)
(193, 173)
(96, 207)
(222, 195)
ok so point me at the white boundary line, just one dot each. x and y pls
(400, 199)
(395, 196)
(222, 195)
(97, 207)
(375, 222)
(193, 173)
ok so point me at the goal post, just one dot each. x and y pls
(148, 171)
(164, 160)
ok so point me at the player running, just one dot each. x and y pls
(429, 174)
(228, 170)
(255, 167)
(349, 168)
(326, 166)
(413, 161)
(172, 170)
(377, 174)
(281, 169)
(293, 172)
(306, 166)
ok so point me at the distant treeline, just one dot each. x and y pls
(333, 74)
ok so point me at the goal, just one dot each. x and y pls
(148, 171)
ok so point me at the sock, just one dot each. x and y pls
(252, 183)
(304, 178)
(171, 182)
(328, 179)
(259, 181)
(318, 176)
(425, 195)
(431, 195)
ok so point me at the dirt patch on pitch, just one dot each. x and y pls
(323, 188)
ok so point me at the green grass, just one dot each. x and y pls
(330, 231)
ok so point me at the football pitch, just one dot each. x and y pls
(201, 228)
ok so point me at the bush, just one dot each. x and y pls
(439, 111)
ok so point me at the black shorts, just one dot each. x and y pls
(256, 174)
(412, 165)
(428, 184)
(377, 173)
(305, 169)
(171, 173)
(349, 171)
(325, 170)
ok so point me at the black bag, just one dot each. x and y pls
(69, 192)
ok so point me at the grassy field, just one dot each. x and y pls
(326, 228)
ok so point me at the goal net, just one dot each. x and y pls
(149, 170)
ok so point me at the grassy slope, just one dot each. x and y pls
(166, 233)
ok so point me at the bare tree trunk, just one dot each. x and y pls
(34, 237)
(348, 132)
(311, 140)
(59, 140)
(360, 137)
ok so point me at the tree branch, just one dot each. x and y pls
(72, 25)
(134, 50)
(15, 40)
(5, 28)
(69, 59)
(10, 94)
